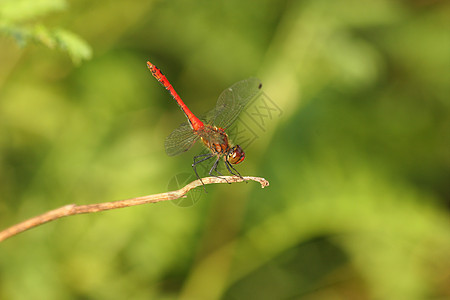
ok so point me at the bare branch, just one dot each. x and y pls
(73, 209)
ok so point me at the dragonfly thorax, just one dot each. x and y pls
(215, 139)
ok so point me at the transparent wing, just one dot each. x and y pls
(180, 140)
(232, 101)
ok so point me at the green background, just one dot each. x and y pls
(358, 162)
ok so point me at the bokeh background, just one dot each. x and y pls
(358, 161)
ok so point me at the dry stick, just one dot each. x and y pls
(73, 209)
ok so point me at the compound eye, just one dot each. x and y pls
(236, 155)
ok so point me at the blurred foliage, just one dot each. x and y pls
(358, 161)
(17, 16)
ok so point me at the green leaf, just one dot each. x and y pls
(44, 36)
(66, 41)
(13, 14)
(23, 10)
(77, 48)
(20, 34)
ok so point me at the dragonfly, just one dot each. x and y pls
(212, 129)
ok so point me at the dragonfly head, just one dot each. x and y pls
(236, 155)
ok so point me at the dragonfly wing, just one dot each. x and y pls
(232, 101)
(180, 140)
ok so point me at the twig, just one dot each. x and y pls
(73, 209)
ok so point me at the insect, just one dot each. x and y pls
(211, 131)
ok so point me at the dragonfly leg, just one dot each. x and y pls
(214, 168)
(231, 169)
(196, 162)
(203, 155)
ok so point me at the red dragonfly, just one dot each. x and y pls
(212, 131)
